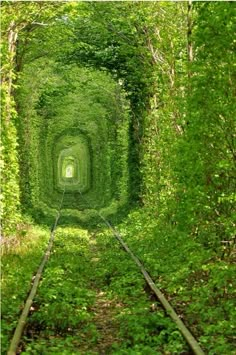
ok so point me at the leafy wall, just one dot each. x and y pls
(72, 116)
(159, 129)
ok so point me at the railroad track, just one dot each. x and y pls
(191, 341)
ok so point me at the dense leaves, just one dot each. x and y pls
(208, 153)
(199, 285)
(18, 24)
(76, 102)
(150, 87)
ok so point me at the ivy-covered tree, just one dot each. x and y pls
(136, 42)
(206, 164)
(19, 21)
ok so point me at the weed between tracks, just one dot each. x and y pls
(92, 300)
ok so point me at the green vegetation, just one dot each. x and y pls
(82, 281)
(19, 263)
(76, 126)
(131, 104)
(199, 284)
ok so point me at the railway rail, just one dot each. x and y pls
(191, 341)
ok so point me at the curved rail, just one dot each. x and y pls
(192, 342)
(22, 321)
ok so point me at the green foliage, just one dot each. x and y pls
(81, 131)
(141, 329)
(153, 121)
(206, 168)
(117, 36)
(64, 299)
(19, 262)
(19, 22)
(188, 150)
(81, 277)
(9, 197)
(10, 194)
(199, 285)
(112, 35)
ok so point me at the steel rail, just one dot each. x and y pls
(22, 321)
(192, 342)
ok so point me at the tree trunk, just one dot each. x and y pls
(189, 31)
(9, 76)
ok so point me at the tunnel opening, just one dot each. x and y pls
(69, 171)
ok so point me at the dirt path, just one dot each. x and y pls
(104, 311)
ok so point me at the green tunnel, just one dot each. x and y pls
(81, 143)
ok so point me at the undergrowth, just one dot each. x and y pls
(199, 284)
(19, 263)
(67, 316)
(64, 318)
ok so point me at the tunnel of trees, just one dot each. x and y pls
(130, 107)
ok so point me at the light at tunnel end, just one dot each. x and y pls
(73, 164)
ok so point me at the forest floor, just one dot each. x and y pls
(91, 300)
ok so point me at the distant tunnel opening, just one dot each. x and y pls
(73, 170)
